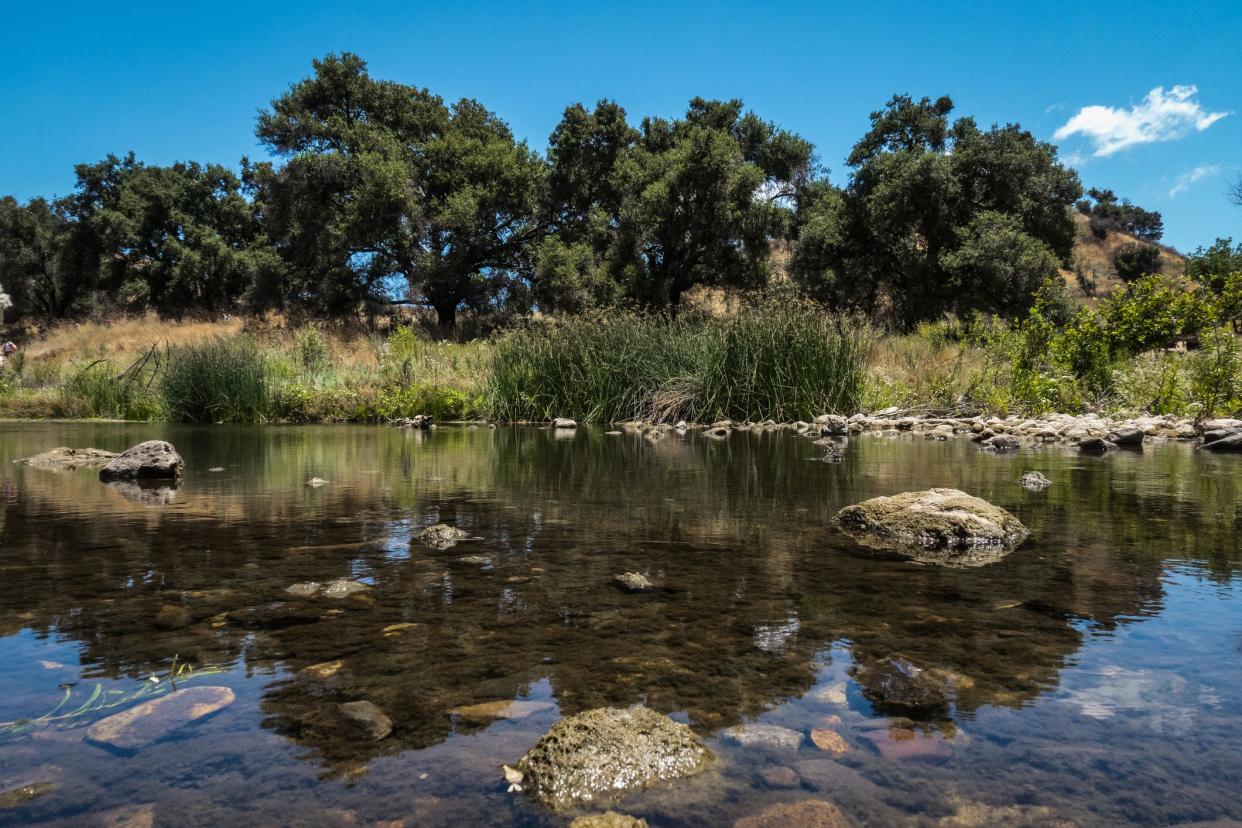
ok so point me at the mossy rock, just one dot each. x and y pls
(604, 752)
(943, 526)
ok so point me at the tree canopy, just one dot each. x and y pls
(377, 193)
(937, 217)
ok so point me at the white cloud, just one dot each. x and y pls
(1162, 116)
(1191, 176)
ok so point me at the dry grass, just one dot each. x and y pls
(1095, 258)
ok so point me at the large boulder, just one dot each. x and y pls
(939, 525)
(1222, 440)
(68, 459)
(604, 752)
(152, 460)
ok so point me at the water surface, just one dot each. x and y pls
(1096, 672)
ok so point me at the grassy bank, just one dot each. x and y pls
(771, 360)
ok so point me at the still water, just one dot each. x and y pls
(1096, 672)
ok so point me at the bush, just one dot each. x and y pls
(224, 380)
(1132, 261)
(778, 360)
(98, 391)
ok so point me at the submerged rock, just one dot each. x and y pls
(944, 526)
(151, 721)
(809, 813)
(897, 684)
(609, 819)
(604, 752)
(763, 735)
(316, 482)
(342, 588)
(306, 589)
(633, 582)
(442, 536)
(1034, 481)
(152, 460)
(717, 432)
(564, 422)
(23, 794)
(900, 744)
(68, 459)
(475, 560)
(829, 741)
(505, 709)
(368, 719)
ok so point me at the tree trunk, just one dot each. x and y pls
(446, 315)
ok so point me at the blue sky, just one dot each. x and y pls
(175, 81)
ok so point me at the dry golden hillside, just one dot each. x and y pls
(1093, 276)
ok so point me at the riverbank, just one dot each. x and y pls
(778, 361)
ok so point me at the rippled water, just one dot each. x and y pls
(1096, 671)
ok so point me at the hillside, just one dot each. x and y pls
(1093, 276)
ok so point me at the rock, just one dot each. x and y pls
(316, 482)
(1034, 481)
(831, 693)
(128, 816)
(832, 424)
(68, 459)
(829, 740)
(1228, 441)
(609, 819)
(763, 735)
(1097, 445)
(1126, 437)
(936, 519)
(717, 432)
(633, 582)
(419, 422)
(323, 670)
(442, 536)
(896, 684)
(147, 723)
(475, 560)
(145, 492)
(606, 751)
(152, 460)
(900, 744)
(172, 617)
(1001, 442)
(564, 422)
(809, 813)
(342, 588)
(506, 709)
(306, 589)
(216, 469)
(780, 777)
(23, 794)
(368, 719)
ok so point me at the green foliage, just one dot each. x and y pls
(939, 218)
(779, 360)
(387, 192)
(1133, 261)
(224, 380)
(97, 390)
(1216, 374)
(1153, 312)
(1110, 215)
(312, 351)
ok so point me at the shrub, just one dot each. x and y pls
(1132, 261)
(99, 391)
(223, 380)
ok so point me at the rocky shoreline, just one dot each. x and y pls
(1088, 432)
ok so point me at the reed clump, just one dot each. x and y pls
(780, 360)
